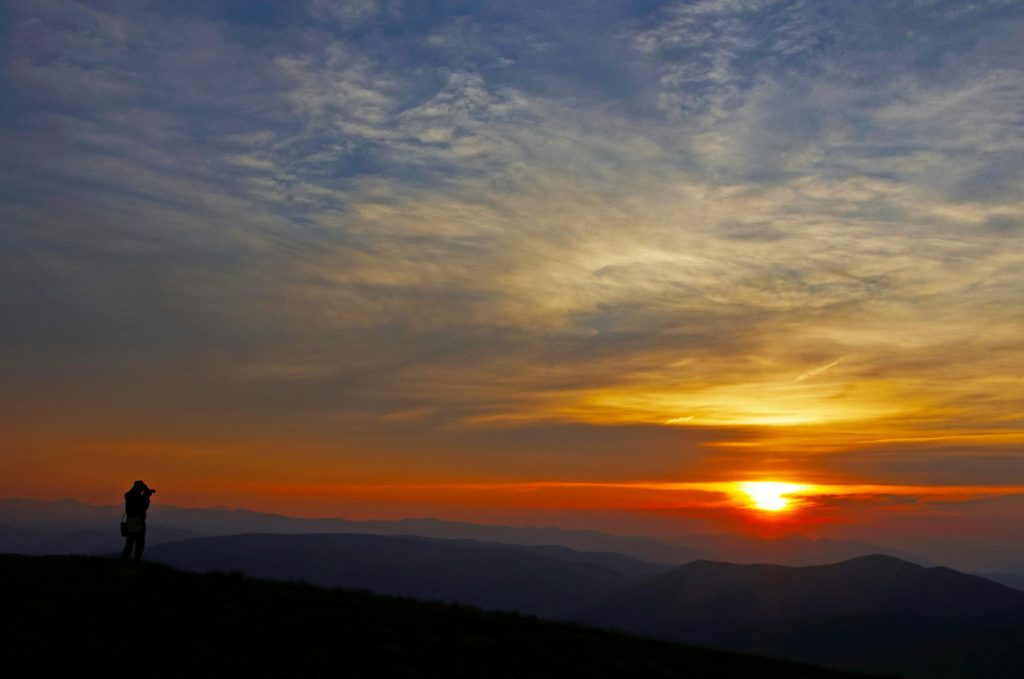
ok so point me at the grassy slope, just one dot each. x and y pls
(78, 614)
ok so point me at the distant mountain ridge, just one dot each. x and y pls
(69, 526)
(488, 575)
(851, 614)
(790, 550)
(873, 613)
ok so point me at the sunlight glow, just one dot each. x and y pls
(770, 496)
(783, 402)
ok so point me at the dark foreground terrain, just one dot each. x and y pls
(67, 616)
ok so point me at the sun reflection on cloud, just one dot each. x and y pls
(772, 404)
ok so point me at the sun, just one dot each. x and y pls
(770, 496)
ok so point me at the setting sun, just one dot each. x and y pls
(770, 496)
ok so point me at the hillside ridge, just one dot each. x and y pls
(68, 612)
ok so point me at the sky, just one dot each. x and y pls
(577, 262)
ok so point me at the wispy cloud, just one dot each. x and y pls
(672, 214)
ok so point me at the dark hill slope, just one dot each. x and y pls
(68, 616)
(865, 613)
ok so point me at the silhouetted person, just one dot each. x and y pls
(136, 502)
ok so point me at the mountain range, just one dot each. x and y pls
(72, 527)
(867, 613)
(874, 613)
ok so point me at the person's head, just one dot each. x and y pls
(141, 487)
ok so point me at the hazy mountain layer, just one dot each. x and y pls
(872, 613)
(71, 527)
(482, 574)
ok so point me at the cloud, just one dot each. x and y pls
(750, 231)
(663, 218)
(347, 11)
